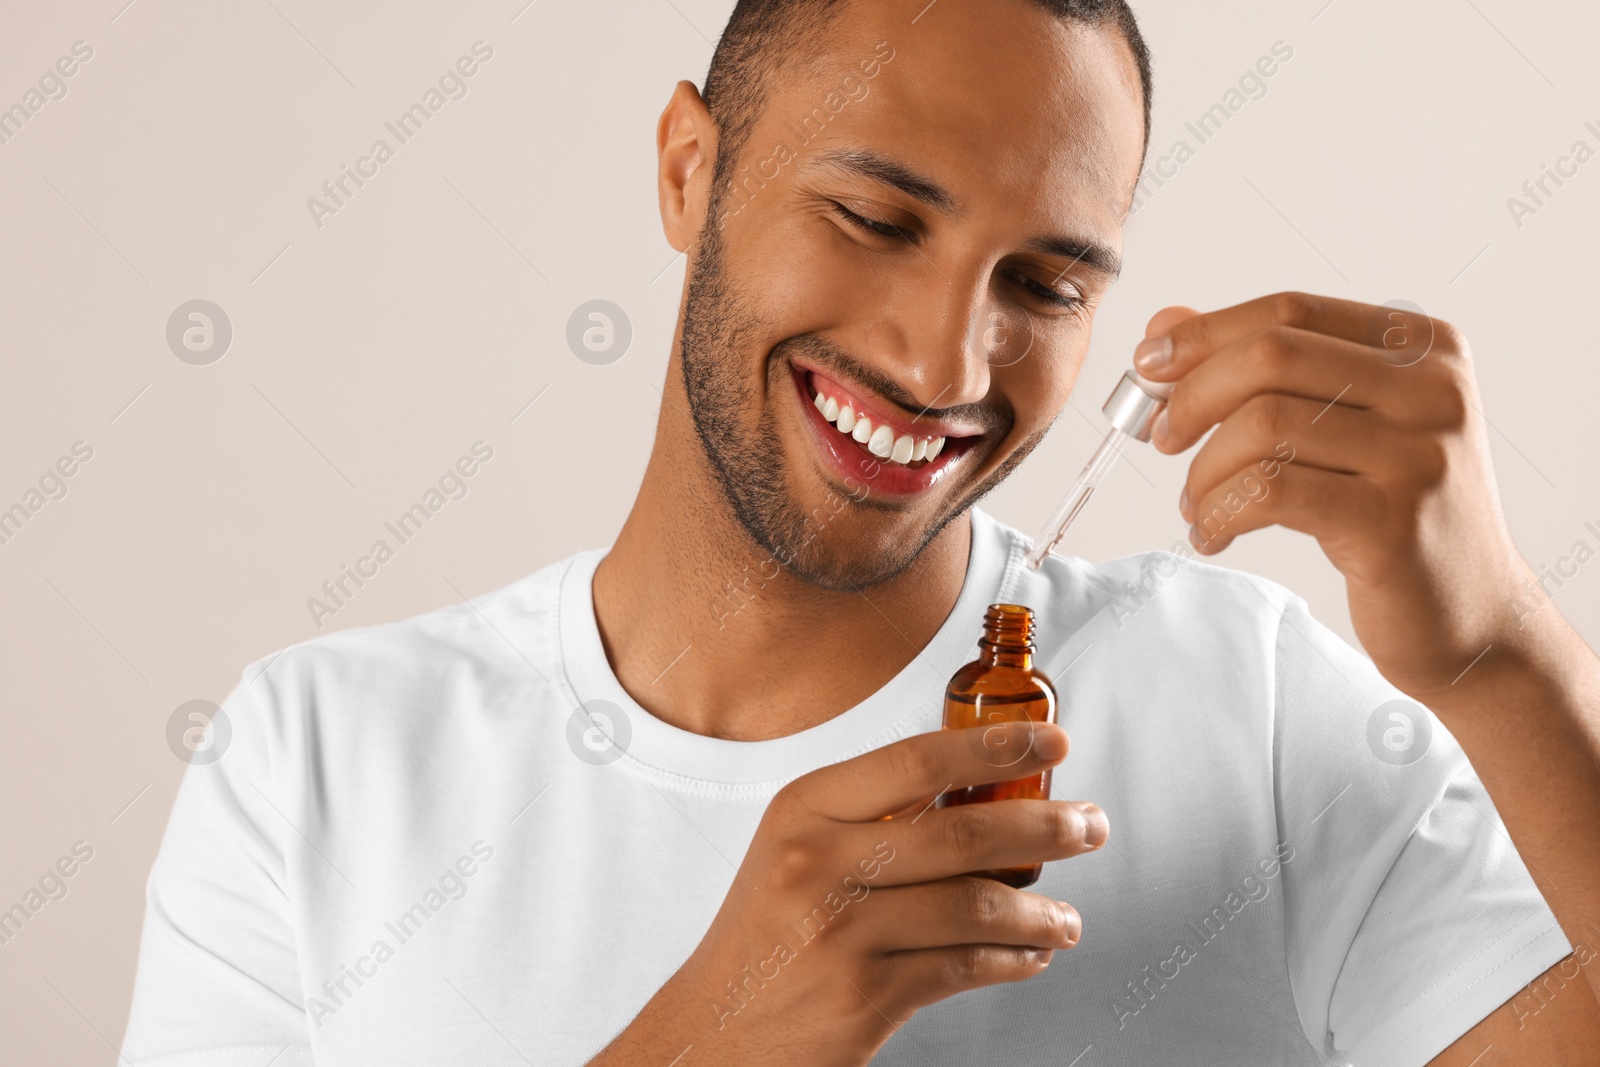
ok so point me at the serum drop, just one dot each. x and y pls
(1001, 685)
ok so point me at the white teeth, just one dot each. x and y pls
(881, 443)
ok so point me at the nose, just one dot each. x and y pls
(940, 337)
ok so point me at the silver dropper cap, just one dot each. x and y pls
(1135, 403)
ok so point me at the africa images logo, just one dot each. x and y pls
(1399, 732)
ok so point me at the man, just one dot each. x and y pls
(590, 819)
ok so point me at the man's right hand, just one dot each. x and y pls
(852, 910)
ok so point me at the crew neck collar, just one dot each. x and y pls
(909, 703)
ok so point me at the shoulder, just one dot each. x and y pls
(479, 654)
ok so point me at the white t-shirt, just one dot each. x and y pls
(416, 848)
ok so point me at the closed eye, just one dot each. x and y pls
(1037, 289)
(861, 222)
(1051, 296)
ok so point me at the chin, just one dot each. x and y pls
(848, 545)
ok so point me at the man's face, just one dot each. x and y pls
(917, 230)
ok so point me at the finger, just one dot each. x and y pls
(892, 778)
(969, 911)
(925, 976)
(1198, 337)
(1324, 504)
(946, 842)
(1271, 429)
(1282, 360)
(1167, 318)
(913, 809)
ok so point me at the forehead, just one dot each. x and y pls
(1009, 107)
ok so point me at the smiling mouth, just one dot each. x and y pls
(880, 439)
(865, 437)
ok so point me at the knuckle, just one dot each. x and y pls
(1452, 397)
(792, 863)
(964, 965)
(1449, 340)
(964, 833)
(1429, 463)
(1293, 308)
(914, 762)
(1266, 416)
(1193, 335)
(1276, 349)
(980, 901)
(1435, 459)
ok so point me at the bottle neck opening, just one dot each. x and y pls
(1007, 635)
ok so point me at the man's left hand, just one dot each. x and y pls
(1361, 426)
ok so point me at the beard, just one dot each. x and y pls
(748, 462)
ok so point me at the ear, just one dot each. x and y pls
(686, 149)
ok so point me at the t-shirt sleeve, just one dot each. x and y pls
(217, 982)
(1410, 915)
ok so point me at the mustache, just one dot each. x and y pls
(996, 420)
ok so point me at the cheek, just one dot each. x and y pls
(805, 277)
(1038, 385)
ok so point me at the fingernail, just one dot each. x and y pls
(1096, 827)
(1183, 502)
(1153, 353)
(1072, 921)
(1050, 744)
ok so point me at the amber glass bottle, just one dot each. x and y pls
(1001, 685)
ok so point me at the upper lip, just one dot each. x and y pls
(882, 412)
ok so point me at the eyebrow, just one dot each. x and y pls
(1094, 254)
(870, 164)
(1097, 255)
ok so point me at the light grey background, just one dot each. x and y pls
(431, 311)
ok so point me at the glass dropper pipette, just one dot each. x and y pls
(1133, 406)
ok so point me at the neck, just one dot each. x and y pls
(708, 633)
(1006, 657)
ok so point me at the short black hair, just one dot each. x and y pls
(763, 37)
